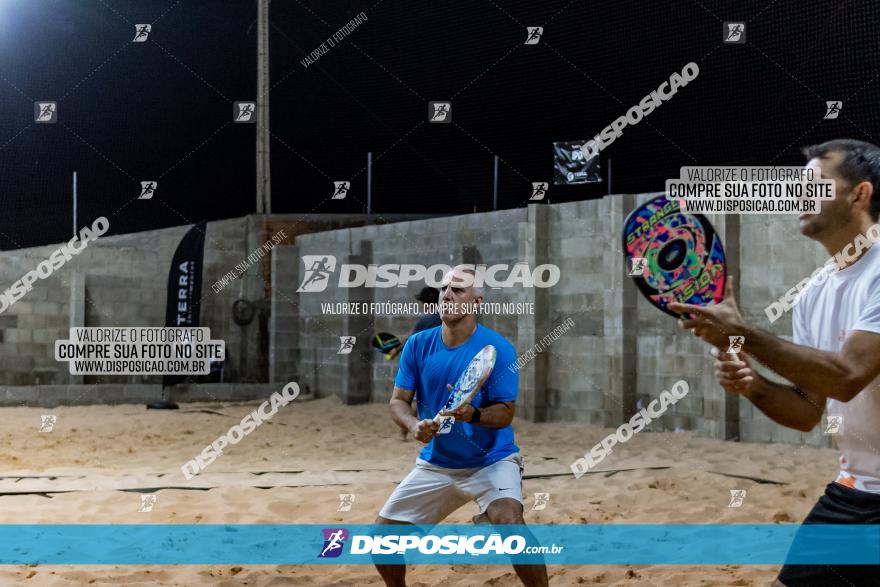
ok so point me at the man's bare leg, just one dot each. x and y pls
(480, 519)
(393, 575)
(509, 511)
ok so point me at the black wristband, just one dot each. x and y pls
(475, 417)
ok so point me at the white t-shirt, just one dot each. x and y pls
(824, 316)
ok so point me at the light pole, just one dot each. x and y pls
(264, 179)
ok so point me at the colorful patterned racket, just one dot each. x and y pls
(467, 386)
(673, 256)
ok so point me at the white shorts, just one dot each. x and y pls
(430, 493)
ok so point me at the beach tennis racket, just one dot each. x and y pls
(672, 256)
(467, 386)
(384, 342)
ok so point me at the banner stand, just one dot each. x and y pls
(184, 298)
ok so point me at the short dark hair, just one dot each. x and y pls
(861, 162)
(428, 295)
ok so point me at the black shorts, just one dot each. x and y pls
(839, 505)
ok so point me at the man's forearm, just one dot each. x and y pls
(401, 413)
(783, 405)
(495, 416)
(817, 372)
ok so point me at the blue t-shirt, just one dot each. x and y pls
(427, 365)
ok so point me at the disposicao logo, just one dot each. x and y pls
(319, 268)
(334, 540)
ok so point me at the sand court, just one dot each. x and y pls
(97, 461)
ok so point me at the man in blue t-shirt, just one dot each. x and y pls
(477, 460)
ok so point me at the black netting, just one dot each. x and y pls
(161, 110)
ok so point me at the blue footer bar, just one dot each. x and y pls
(254, 544)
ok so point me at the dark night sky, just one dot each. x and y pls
(162, 109)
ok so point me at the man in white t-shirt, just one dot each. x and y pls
(833, 363)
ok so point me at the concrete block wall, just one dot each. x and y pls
(31, 325)
(284, 318)
(581, 382)
(620, 349)
(121, 280)
(775, 257)
(320, 367)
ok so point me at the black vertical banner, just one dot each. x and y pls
(570, 167)
(185, 286)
